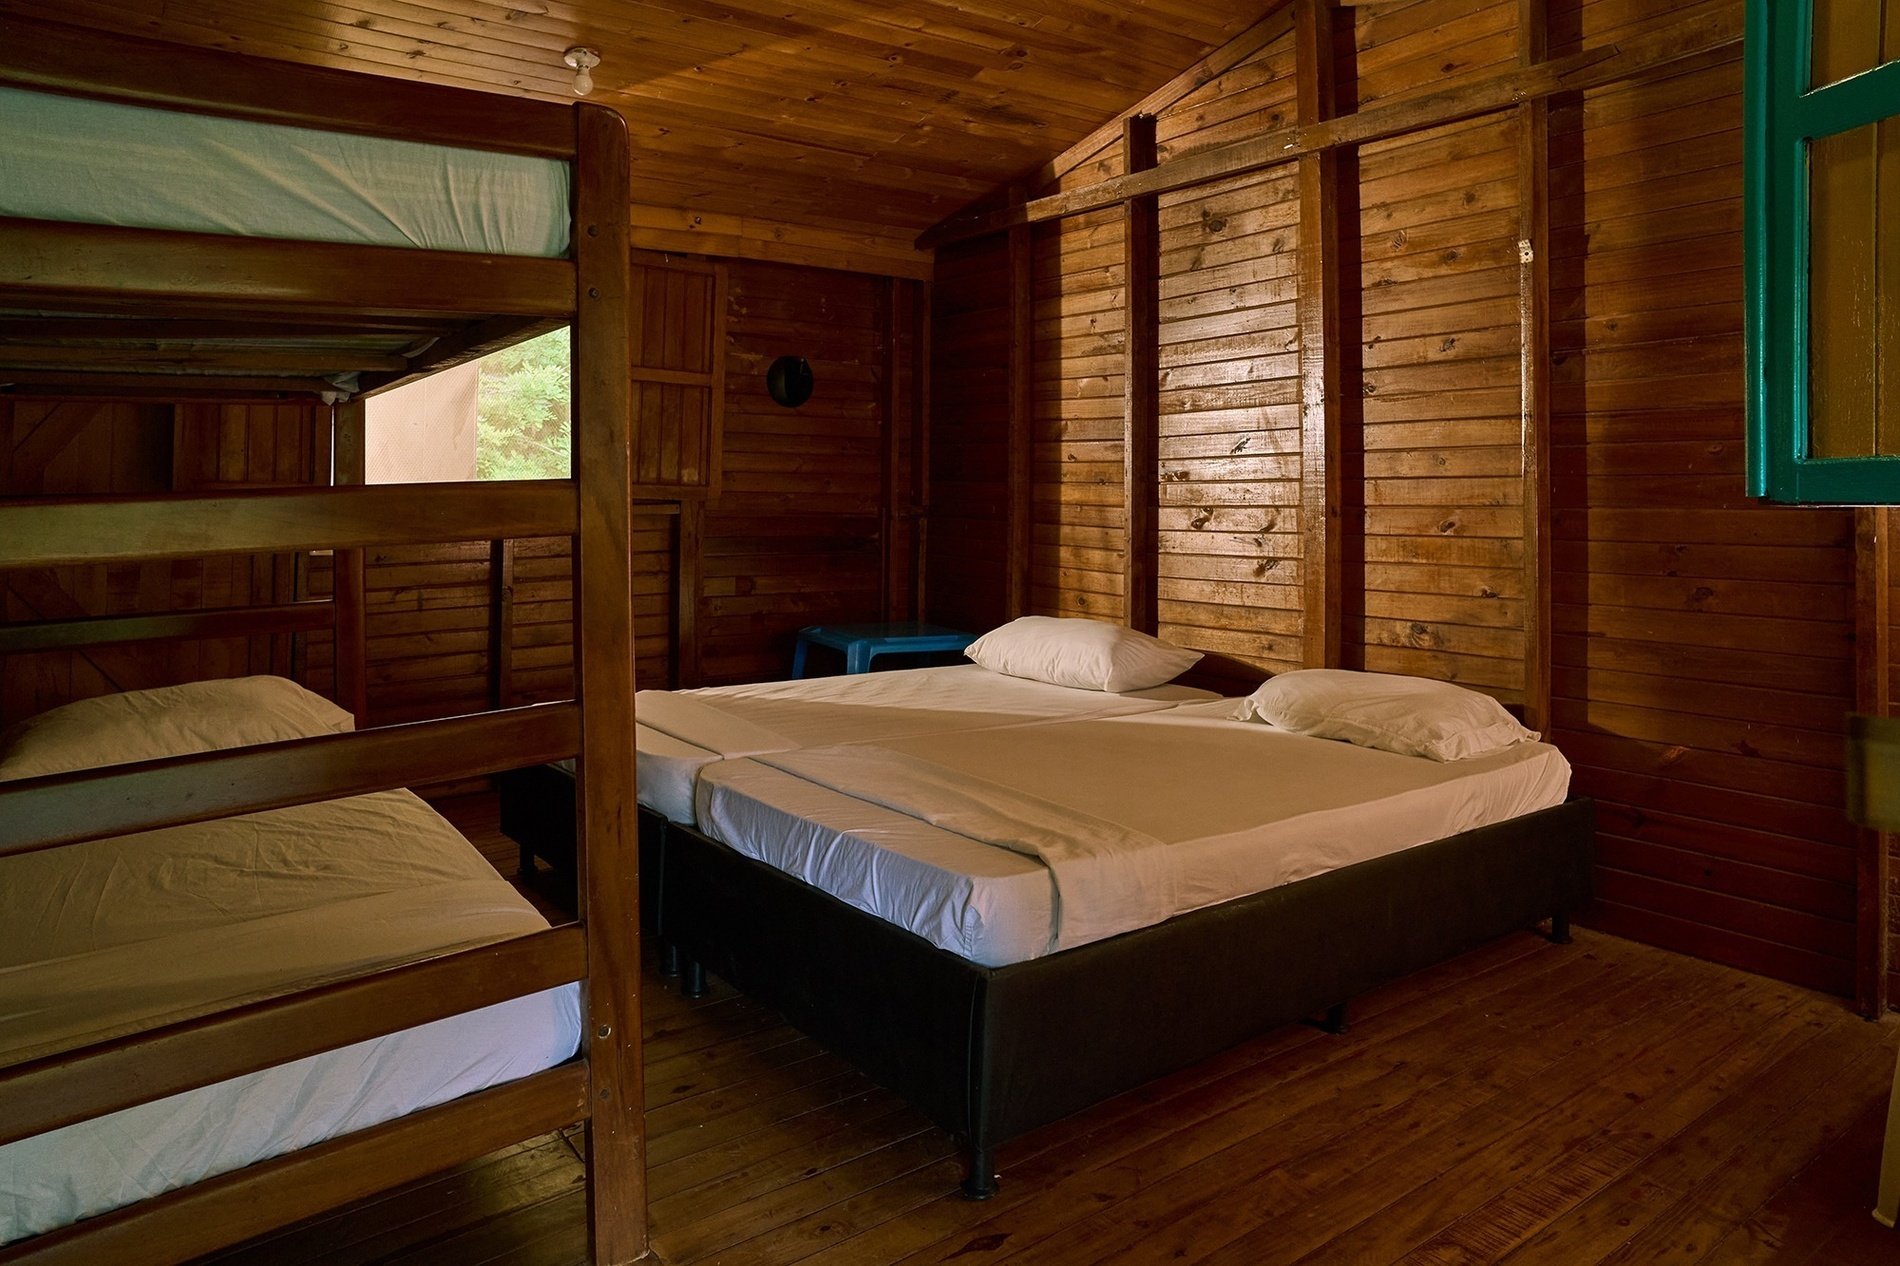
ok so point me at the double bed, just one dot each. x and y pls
(1008, 899)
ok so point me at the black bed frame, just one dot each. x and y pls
(989, 1053)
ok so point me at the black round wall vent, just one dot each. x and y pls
(789, 380)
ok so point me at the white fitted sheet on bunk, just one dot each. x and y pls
(680, 732)
(78, 160)
(1236, 808)
(125, 934)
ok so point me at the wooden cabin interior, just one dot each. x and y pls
(403, 402)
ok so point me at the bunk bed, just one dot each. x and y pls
(461, 223)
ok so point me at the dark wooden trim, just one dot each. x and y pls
(187, 358)
(1873, 654)
(49, 264)
(90, 804)
(608, 856)
(61, 532)
(77, 1085)
(890, 302)
(1592, 68)
(1533, 307)
(166, 388)
(920, 447)
(1019, 526)
(92, 63)
(722, 314)
(185, 1224)
(1321, 333)
(118, 630)
(1141, 386)
(501, 624)
(350, 567)
(689, 543)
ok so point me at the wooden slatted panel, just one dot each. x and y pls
(676, 335)
(964, 565)
(1078, 361)
(77, 447)
(794, 537)
(1703, 661)
(1442, 592)
(1230, 565)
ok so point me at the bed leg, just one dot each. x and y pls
(1336, 1021)
(525, 868)
(979, 1183)
(1560, 929)
(693, 979)
(669, 959)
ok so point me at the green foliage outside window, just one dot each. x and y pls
(524, 428)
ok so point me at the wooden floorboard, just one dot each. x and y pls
(1603, 1102)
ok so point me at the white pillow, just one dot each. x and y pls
(1408, 715)
(201, 716)
(1087, 654)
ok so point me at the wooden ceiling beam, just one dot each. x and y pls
(1591, 68)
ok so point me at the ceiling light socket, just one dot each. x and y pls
(583, 60)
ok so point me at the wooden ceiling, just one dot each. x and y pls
(871, 119)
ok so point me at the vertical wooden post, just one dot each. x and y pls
(892, 499)
(689, 542)
(350, 567)
(501, 624)
(1322, 559)
(1019, 528)
(1873, 580)
(1141, 389)
(608, 853)
(1533, 307)
(920, 449)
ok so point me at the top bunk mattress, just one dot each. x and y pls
(122, 935)
(78, 160)
(680, 732)
(1156, 815)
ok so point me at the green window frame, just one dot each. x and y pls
(1784, 115)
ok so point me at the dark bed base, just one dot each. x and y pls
(537, 813)
(989, 1053)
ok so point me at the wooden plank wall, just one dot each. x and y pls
(1079, 523)
(1703, 652)
(794, 537)
(1230, 565)
(81, 447)
(1703, 655)
(1442, 592)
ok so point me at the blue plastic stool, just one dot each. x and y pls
(861, 643)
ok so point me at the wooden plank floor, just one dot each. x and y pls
(1528, 1103)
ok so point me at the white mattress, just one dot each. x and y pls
(1234, 808)
(120, 935)
(681, 732)
(98, 162)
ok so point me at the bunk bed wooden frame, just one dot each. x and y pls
(180, 290)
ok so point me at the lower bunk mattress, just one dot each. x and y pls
(1146, 816)
(122, 935)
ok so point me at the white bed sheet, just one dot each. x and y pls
(79, 160)
(125, 934)
(681, 732)
(1237, 807)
